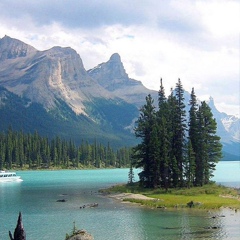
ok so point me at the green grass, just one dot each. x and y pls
(206, 197)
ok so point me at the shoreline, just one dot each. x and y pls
(175, 200)
(138, 199)
(124, 196)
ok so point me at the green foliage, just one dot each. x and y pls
(74, 232)
(146, 152)
(170, 153)
(31, 151)
(111, 113)
(131, 174)
(209, 196)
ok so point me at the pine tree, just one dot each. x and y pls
(209, 146)
(164, 137)
(143, 151)
(190, 166)
(161, 95)
(193, 136)
(172, 129)
(164, 153)
(131, 173)
(180, 131)
(154, 157)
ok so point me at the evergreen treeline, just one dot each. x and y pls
(33, 151)
(176, 151)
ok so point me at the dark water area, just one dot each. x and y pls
(45, 218)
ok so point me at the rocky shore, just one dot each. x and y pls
(124, 196)
(80, 235)
(20, 234)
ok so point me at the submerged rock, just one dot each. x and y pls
(61, 200)
(90, 205)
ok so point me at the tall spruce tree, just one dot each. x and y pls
(193, 136)
(161, 95)
(192, 123)
(190, 165)
(180, 132)
(173, 165)
(144, 152)
(131, 174)
(171, 154)
(209, 150)
(154, 155)
(164, 137)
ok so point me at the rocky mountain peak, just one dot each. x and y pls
(115, 58)
(115, 67)
(210, 101)
(61, 51)
(47, 77)
(11, 48)
(111, 74)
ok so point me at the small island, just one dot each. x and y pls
(210, 196)
(176, 156)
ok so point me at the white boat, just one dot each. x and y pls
(9, 177)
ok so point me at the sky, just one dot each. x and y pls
(197, 41)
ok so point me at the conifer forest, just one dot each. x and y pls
(31, 151)
(177, 148)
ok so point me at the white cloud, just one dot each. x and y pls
(196, 40)
(221, 18)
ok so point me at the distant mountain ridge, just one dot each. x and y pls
(102, 102)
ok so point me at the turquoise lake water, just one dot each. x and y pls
(45, 218)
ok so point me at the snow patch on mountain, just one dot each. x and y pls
(232, 125)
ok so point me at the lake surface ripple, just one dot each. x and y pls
(46, 218)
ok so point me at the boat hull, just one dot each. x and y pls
(10, 179)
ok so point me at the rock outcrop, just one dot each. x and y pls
(19, 233)
(81, 235)
(47, 77)
(112, 76)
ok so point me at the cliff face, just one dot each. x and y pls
(12, 48)
(57, 74)
(47, 76)
(112, 76)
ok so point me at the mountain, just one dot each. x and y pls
(51, 92)
(22, 114)
(13, 48)
(69, 98)
(228, 127)
(229, 123)
(113, 77)
(47, 76)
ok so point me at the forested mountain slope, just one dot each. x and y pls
(51, 92)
